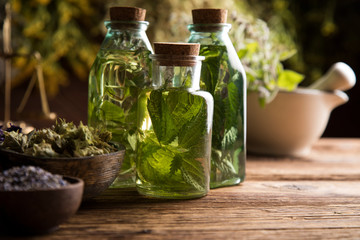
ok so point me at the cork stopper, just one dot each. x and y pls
(191, 49)
(209, 15)
(176, 54)
(127, 14)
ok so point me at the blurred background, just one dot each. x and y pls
(68, 33)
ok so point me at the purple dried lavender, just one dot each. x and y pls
(29, 178)
(2, 136)
(12, 128)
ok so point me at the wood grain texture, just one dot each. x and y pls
(283, 206)
(330, 159)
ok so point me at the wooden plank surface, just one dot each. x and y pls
(303, 200)
(254, 210)
(330, 159)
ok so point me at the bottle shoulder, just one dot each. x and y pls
(205, 95)
(224, 56)
(126, 40)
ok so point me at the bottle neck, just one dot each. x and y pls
(182, 72)
(210, 34)
(114, 26)
(220, 28)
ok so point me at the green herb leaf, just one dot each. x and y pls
(289, 80)
(175, 164)
(287, 54)
(132, 141)
(182, 106)
(154, 106)
(230, 138)
(223, 163)
(158, 164)
(111, 113)
(163, 124)
(252, 48)
(232, 104)
(241, 53)
(218, 121)
(193, 173)
(147, 163)
(193, 131)
(210, 67)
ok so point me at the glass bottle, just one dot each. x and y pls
(174, 147)
(222, 75)
(120, 71)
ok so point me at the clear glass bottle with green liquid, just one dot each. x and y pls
(174, 147)
(222, 75)
(117, 78)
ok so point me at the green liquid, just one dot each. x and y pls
(115, 83)
(174, 150)
(226, 84)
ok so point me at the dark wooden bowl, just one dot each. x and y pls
(39, 211)
(98, 172)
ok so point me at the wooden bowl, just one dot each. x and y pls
(98, 172)
(39, 211)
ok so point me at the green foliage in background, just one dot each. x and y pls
(68, 34)
(313, 28)
(262, 53)
(63, 31)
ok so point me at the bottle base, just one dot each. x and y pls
(226, 183)
(168, 193)
(124, 181)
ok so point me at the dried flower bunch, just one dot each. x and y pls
(64, 32)
(64, 139)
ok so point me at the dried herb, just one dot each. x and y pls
(12, 128)
(15, 141)
(61, 140)
(29, 178)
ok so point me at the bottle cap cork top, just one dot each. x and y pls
(186, 49)
(127, 14)
(176, 54)
(209, 15)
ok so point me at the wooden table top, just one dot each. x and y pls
(317, 197)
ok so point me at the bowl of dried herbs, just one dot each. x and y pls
(35, 201)
(66, 149)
